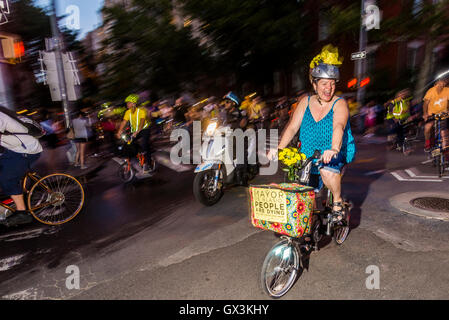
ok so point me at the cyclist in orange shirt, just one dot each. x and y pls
(436, 101)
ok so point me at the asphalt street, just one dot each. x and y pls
(152, 240)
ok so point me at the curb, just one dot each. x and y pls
(402, 202)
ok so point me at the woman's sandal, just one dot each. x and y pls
(338, 214)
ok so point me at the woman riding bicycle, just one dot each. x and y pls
(324, 122)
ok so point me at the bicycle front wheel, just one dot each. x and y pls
(280, 269)
(56, 199)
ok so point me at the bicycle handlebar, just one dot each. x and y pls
(438, 116)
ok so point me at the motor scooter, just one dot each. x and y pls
(221, 165)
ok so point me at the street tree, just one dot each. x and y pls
(145, 50)
(252, 39)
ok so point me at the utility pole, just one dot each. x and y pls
(361, 63)
(59, 64)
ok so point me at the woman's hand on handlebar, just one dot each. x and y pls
(328, 155)
(272, 154)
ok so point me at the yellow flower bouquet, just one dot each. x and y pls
(293, 159)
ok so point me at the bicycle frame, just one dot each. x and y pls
(34, 177)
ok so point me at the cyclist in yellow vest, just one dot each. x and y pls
(140, 126)
(398, 111)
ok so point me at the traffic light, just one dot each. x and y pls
(352, 83)
(12, 47)
(364, 82)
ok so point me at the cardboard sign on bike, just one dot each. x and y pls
(269, 204)
(284, 208)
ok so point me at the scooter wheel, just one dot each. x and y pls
(202, 185)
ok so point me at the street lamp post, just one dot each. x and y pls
(59, 64)
(361, 64)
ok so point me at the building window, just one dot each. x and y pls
(412, 54)
(417, 4)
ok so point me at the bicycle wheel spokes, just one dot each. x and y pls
(56, 199)
(280, 269)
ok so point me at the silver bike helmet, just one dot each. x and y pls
(325, 71)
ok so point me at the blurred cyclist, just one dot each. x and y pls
(398, 113)
(436, 101)
(140, 127)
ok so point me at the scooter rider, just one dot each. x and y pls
(140, 127)
(233, 116)
(237, 120)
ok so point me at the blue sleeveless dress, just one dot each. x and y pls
(318, 136)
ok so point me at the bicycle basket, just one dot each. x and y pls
(284, 208)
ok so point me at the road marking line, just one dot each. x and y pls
(32, 232)
(375, 172)
(397, 176)
(8, 263)
(416, 174)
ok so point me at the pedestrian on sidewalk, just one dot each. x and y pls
(83, 136)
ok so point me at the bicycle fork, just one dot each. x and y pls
(329, 224)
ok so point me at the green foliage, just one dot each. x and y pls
(145, 50)
(345, 21)
(254, 38)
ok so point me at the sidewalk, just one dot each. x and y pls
(415, 178)
(55, 161)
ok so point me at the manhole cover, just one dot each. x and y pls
(431, 203)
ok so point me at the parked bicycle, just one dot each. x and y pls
(53, 200)
(313, 221)
(437, 151)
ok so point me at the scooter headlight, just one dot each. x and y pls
(211, 129)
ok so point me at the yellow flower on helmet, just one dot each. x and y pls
(328, 55)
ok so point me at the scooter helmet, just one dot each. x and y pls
(233, 97)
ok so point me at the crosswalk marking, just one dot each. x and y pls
(400, 178)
